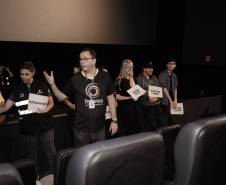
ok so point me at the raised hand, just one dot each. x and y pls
(49, 78)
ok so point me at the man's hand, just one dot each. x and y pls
(113, 128)
(49, 78)
(173, 104)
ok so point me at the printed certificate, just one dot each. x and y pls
(155, 91)
(136, 91)
(179, 110)
(36, 102)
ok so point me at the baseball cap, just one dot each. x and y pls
(148, 64)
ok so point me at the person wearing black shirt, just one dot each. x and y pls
(35, 125)
(129, 111)
(92, 89)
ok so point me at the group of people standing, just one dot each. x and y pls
(92, 90)
(147, 113)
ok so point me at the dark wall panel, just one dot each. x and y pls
(204, 36)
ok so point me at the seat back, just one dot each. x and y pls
(60, 165)
(27, 171)
(169, 134)
(130, 160)
(200, 152)
(9, 175)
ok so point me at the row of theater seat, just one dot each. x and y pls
(169, 134)
(21, 172)
(197, 157)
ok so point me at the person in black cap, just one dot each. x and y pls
(151, 105)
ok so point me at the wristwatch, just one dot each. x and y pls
(114, 121)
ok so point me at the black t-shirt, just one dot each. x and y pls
(121, 88)
(83, 90)
(31, 123)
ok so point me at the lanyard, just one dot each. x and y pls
(95, 73)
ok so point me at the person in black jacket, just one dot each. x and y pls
(35, 124)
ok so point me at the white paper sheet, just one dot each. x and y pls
(36, 102)
(179, 110)
(136, 91)
(155, 91)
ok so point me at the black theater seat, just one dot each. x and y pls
(9, 175)
(130, 160)
(200, 152)
(26, 169)
(169, 134)
(60, 165)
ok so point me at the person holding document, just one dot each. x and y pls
(33, 101)
(169, 82)
(129, 112)
(150, 103)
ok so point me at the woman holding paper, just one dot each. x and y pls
(130, 116)
(33, 101)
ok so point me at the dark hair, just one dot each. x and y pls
(91, 51)
(170, 59)
(29, 66)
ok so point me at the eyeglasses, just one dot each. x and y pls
(85, 59)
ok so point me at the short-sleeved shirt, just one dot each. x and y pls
(122, 85)
(144, 83)
(83, 90)
(170, 83)
(31, 123)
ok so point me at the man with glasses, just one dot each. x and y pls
(92, 89)
(169, 82)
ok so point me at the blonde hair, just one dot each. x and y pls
(123, 69)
